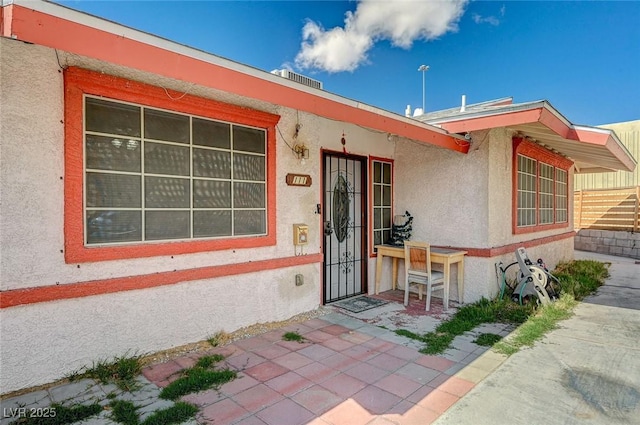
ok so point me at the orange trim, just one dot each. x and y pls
(79, 82)
(506, 249)
(6, 17)
(524, 147)
(41, 294)
(493, 121)
(380, 159)
(47, 30)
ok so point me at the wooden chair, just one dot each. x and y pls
(417, 270)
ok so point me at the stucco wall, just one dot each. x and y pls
(42, 342)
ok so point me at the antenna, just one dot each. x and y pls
(423, 69)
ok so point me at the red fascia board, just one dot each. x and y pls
(493, 121)
(604, 139)
(40, 28)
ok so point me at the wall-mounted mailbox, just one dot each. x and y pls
(300, 234)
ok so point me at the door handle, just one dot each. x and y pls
(327, 228)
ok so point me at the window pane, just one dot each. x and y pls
(377, 195)
(377, 218)
(160, 158)
(211, 133)
(160, 125)
(248, 195)
(109, 153)
(211, 223)
(249, 222)
(103, 116)
(377, 237)
(248, 139)
(210, 163)
(211, 194)
(248, 167)
(113, 226)
(377, 172)
(386, 173)
(161, 225)
(386, 218)
(386, 236)
(163, 192)
(113, 190)
(386, 195)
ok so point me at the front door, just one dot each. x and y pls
(345, 224)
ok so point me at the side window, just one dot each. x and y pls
(381, 187)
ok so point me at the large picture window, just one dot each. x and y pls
(541, 191)
(150, 173)
(381, 186)
(154, 175)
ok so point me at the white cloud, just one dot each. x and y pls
(400, 21)
(492, 20)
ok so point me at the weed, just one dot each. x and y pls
(581, 277)
(198, 378)
(64, 415)
(217, 339)
(293, 336)
(175, 414)
(124, 412)
(487, 340)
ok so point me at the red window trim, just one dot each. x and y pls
(534, 151)
(78, 82)
(379, 159)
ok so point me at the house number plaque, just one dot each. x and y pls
(298, 179)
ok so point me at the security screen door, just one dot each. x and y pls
(345, 221)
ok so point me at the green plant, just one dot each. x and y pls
(487, 339)
(126, 413)
(293, 336)
(63, 415)
(122, 371)
(199, 377)
(581, 277)
(217, 339)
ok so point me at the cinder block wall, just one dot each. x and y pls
(624, 244)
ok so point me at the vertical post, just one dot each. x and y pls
(580, 210)
(636, 209)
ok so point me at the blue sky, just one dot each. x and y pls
(582, 56)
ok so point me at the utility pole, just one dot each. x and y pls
(423, 69)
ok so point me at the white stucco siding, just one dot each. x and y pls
(46, 341)
(445, 192)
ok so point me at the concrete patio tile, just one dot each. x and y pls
(343, 385)
(161, 371)
(223, 412)
(241, 383)
(348, 412)
(289, 383)
(226, 350)
(374, 331)
(455, 369)
(456, 386)
(252, 343)
(417, 373)
(257, 398)
(150, 409)
(274, 335)
(317, 323)
(438, 380)
(335, 330)
(318, 336)
(367, 373)
(339, 362)
(285, 412)
(85, 390)
(404, 353)
(316, 372)
(438, 401)
(455, 355)
(186, 362)
(489, 361)
(416, 415)
(299, 328)
(293, 360)
(294, 345)
(249, 420)
(420, 394)
(337, 344)
(361, 352)
(317, 352)
(471, 357)
(378, 345)
(387, 362)
(317, 400)
(204, 398)
(376, 400)
(244, 360)
(265, 371)
(434, 362)
(35, 399)
(472, 374)
(462, 344)
(272, 351)
(398, 385)
(356, 337)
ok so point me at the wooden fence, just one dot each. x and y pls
(607, 209)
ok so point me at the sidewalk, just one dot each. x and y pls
(586, 372)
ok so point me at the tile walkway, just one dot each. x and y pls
(351, 369)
